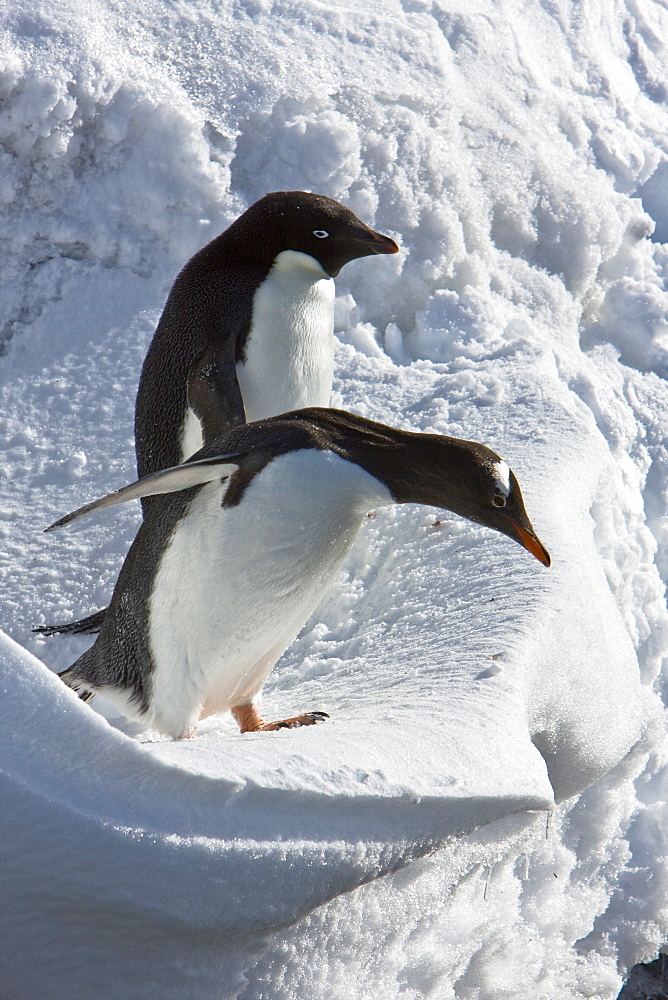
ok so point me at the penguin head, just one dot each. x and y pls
(469, 479)
(318, 226)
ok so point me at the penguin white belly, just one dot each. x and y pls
(191, 435)
(236, 584)
(289, 351)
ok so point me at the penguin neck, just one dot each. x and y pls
(416, 468)
(293, 265)
(411, 472)
(288, 356)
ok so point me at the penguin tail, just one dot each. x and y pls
(84, 626)
(76, 684)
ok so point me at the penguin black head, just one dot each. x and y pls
(315, 225)
(471, 480)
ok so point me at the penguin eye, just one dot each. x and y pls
(499, 500)
(320, 233)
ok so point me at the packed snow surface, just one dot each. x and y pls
(484, 817)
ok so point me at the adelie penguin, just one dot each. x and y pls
(234, 556)
(247, 331)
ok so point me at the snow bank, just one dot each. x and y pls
(517, 153)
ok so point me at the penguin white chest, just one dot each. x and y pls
(192, 438)
(236, 584)
(289, 351)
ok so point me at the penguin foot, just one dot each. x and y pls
(250, 720)
(306, 719)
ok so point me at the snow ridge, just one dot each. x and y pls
(517, 152)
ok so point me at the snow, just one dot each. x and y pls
(485, 815)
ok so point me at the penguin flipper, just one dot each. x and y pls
(213, 392)
(179, 477)
(84, 626)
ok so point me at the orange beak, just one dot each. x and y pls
(531, 544)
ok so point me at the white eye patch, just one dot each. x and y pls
(320, 233)
(501, 473)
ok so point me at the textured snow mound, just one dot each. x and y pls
(517, 153)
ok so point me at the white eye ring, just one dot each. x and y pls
(320, 233)
(499, 500)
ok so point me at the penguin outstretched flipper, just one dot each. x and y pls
(215, 400)
(180, 477)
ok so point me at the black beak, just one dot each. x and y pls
(355, 242)
(377, 243)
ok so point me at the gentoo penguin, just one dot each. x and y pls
(236, 553)
(247, 331)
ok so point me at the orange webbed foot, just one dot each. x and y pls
(250, 720)
(306, 719)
